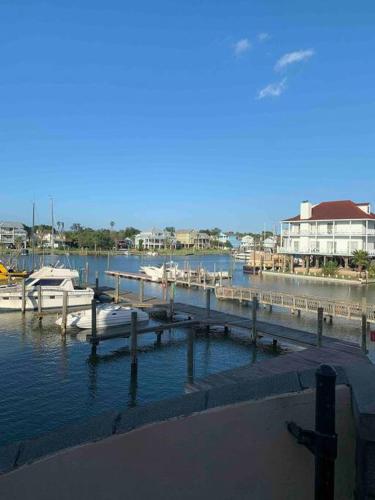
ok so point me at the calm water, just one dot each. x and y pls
(47, 382)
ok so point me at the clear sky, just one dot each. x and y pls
(195, 113)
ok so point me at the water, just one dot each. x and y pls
(48, 382)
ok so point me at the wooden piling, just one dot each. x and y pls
(23, 297)
(364, 333)
(64, 311)
(133, 343)
(87, 273)
(254, 320)
(141, 291)
(94, 339)
(208, 302)
(190, 356)
(117, 294)
(96, 281)
(320, 327)
(40, 303)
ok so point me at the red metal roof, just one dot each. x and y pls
(335, 210)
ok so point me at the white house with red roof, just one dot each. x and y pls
(331, 228)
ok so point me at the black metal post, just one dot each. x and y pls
(325, 426)
(323, 441)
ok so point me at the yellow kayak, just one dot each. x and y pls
(7, 274)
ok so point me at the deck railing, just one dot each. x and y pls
(348, 310)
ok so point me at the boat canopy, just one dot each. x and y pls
(54, 272)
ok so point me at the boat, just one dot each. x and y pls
(106, 316)
(7, 274)
(53, 282)
(159, 273)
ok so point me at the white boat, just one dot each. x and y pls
(53, 282)
(159, 273)
(106, 316)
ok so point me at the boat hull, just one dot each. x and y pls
(106, 317)
(50, 299)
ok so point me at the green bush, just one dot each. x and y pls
(330, 269)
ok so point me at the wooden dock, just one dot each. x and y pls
(191, 280)
(331, 308)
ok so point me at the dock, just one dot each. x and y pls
(298, 303)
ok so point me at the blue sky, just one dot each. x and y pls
(193, 114)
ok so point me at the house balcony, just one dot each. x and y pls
(315, 251)
(370, 232)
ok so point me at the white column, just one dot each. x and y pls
(366, 236)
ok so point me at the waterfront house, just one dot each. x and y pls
(154, 240)
(190, 238)
(247, 243)
(12, 233)
(329, 229)
(270, 244)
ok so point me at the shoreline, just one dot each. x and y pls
(344, 281)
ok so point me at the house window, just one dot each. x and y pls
(296, 246)
(329, 227)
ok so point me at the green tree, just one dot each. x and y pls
(371, 270)
(170, 229)
(360, 259)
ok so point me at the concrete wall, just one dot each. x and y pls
(233, 452)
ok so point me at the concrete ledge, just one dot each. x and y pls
(254, 389)
(107, 424)
(91, 429)
(308, 380)
(8, 456)
(161, 410)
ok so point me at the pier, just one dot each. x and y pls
(298, 303)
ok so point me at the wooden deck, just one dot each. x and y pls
(341, 309)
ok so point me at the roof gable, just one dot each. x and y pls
(335, 210)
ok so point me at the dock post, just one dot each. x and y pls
(190, 356)
(208, 302)
(40, 305)
(254, 320)
(117, 297)
(320, 327)
(64, 311)
(133, 343)
(96, 281)
(87, 273)
(141, 291)
(23, 298)
(94, 341)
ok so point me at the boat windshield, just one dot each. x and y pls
(45, 282)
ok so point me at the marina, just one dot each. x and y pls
(63, 365)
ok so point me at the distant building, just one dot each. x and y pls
(190, 238)
(125, 243)
(12, 233)
(247, 243)
(154, 240)
(47, 241)
(270, 243)
(231, 239)
(331, 228)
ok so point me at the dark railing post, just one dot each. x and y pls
(323, 441)
(190, 356)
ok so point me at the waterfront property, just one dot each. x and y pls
(154, 240)
(12, 233)
(190, 238)
(329, 229)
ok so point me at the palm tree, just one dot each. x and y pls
(112, 224)
(360, 259)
